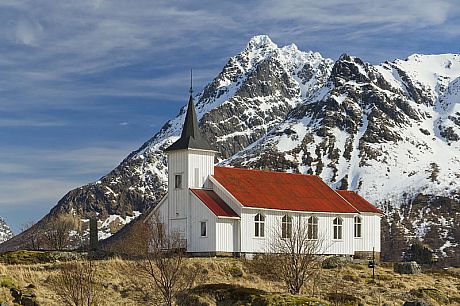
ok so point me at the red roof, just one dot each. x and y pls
(358, 201)
(280, 190)
(214, 203)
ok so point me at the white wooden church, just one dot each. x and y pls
(222, 210)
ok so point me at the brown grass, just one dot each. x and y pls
(119, 289)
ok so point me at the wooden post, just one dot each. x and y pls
(373, 264)
(93, 235)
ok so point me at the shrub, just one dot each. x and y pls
(235, 271)
(435, 294)
(7, 282)
(76, 284)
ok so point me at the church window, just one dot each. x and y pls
(203, 229)
(286, 227)
(178, 181)
(259, 221)
(358, 226)
(338, 223)
(312, 228)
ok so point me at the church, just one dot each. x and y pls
(232, 211)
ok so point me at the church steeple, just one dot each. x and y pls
(191, 137)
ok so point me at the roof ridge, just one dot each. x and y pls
(269, 171)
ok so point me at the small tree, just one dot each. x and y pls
(76, 284)
(292, 254)
(57, 231)
(164, 260)
(34, 236)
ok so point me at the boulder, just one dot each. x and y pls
(410, 267)
(416, 303)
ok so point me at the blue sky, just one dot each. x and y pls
(84, 83)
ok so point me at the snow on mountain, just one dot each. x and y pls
(378, 130)
(389, 131)
(365, 132)
(5, 231)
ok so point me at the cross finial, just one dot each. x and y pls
(191, 82)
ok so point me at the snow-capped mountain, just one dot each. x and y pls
(5, 231)
(389, 131)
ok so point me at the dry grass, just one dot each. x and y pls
(121, 289)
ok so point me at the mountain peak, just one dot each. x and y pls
(259, 42)
(5, 231)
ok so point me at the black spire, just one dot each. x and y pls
(191, 137)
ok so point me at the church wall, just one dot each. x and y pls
(370, 233)
(178, 198)
(198, 213)
(227, 235)
(252, 244)
(201, 165)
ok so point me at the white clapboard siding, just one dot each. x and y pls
(194, 166)
(370, 229)
(227, 235)
(162, 210)
(200, 213)
(252, 244)
(201, 165)
(178, 197)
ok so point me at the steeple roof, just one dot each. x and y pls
(191, 137)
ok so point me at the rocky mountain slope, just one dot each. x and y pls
(389, 131)
(5, 231)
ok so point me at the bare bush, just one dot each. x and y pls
(292, 257)
(76, 284)
(34, 237)
(163, 260)
(57, 232)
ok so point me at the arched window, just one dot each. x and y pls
(259, 222)
(338, 228)
(358, 226)
(286, 227)
(312, 230)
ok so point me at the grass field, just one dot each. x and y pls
(352, 284)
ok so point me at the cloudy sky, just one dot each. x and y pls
(84, 83)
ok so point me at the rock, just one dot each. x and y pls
(410, 267)
(334, 262)
(416, 303)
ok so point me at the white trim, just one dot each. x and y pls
(218, 217)
(360, 212)
(225, 191)
(156, 207)
(299, 211)
(345, 199)
(191, 149)
(205, 228)
(226, 217)
(181, 175)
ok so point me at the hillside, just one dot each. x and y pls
(390, 132)
(231, 280)
(5, 231)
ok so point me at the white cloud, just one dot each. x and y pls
(31, 123)
(29, 32)
(413, 13)
(27, 192)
